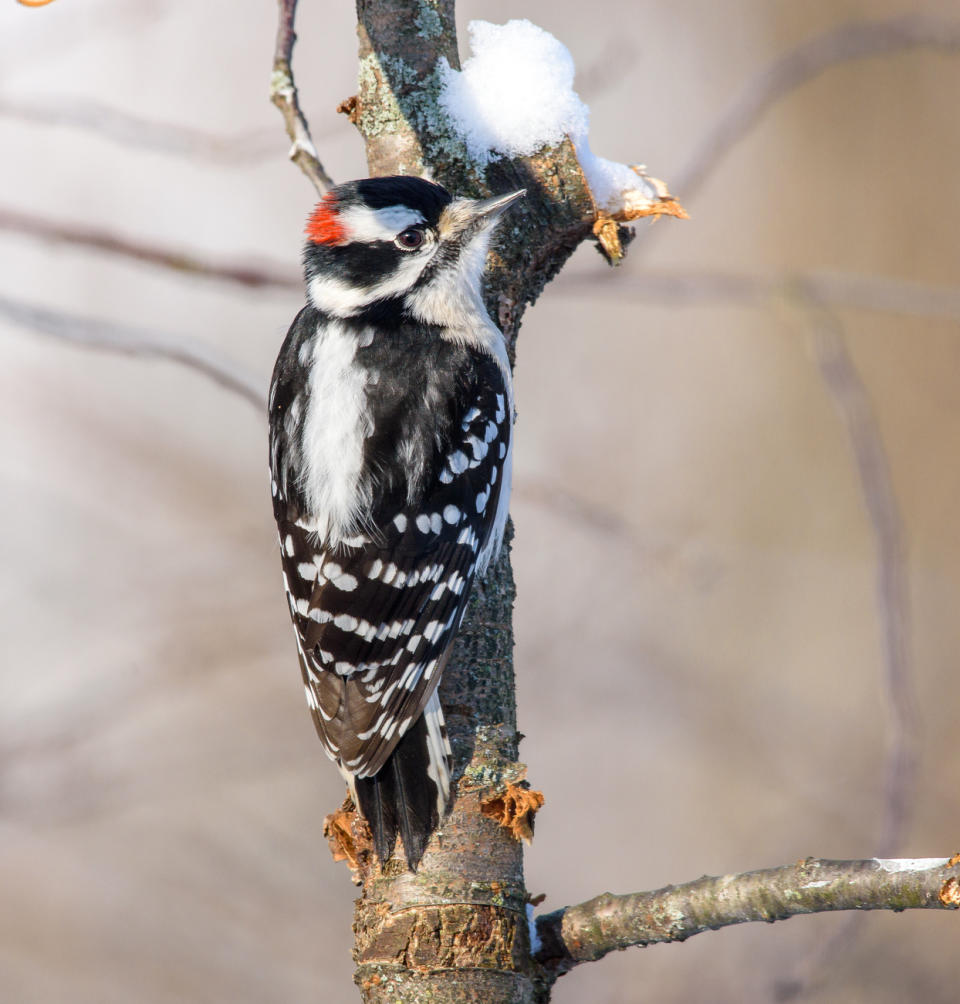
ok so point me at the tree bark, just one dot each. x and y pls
(457, 930)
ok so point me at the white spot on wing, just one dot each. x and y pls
(451, 514)
(438, 747)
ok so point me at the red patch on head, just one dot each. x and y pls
(324, 226)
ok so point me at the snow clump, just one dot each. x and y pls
(515, 95)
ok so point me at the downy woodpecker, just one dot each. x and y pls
(391, 414)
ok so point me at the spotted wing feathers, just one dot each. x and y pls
(375, 617)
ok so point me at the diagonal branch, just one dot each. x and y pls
(252, 274)
(283, 93)
(589, 931)
(857, 40)
(138, 342)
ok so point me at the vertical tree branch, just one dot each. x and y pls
(457, 930)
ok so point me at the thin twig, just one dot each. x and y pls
(245, 273)
(589, 931)
(858, 40)
(140, 342)
(283, 93)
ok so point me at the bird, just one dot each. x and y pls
(391, 418)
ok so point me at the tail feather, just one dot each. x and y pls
(409, 794)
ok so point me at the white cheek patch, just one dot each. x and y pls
(364, 224)
(341, 299)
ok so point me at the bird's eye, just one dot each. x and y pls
(409, 239)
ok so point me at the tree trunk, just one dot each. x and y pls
(456, 931)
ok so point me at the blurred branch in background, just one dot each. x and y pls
(884, 294)
(135, 131)
(850, 397)
(245, 273)
(852, 401)
(140, 342)
(857, 40)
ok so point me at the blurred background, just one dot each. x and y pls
(746, 439)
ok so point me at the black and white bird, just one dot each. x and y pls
(391, 417)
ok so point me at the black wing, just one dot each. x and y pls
(375, 616)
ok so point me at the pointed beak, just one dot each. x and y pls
(490, 209)
(465, 218)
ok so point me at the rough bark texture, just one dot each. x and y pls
(457, 931)
(607, 923)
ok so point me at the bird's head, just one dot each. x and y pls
(401, 242)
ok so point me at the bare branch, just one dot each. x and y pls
(857, 40)
(138, 342)
(135, 131)
(589, 931)
(283, 93)
(245, 273)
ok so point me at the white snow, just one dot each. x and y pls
(535, 943)
(910, 864)
(515, 95)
